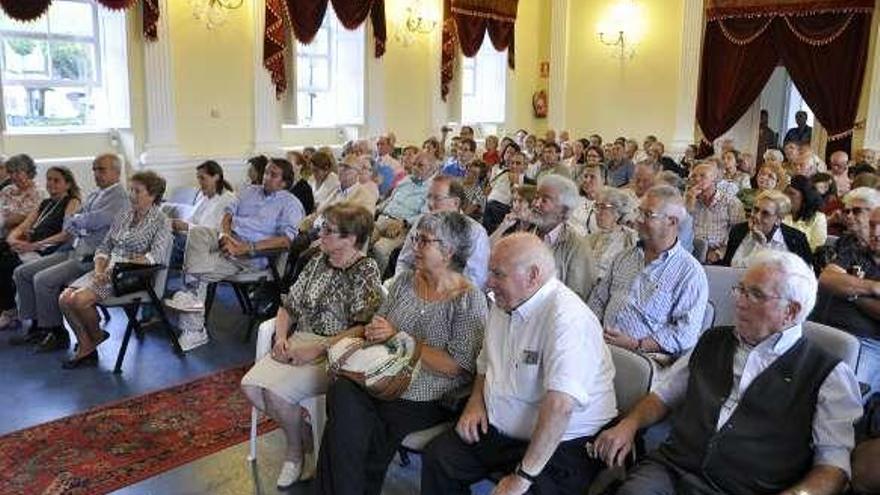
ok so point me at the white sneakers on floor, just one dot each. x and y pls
(185, 302)
(291, 472)
(190, 339)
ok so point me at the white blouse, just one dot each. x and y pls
(209, 211)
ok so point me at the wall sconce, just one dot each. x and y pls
(213, 12)
(621, 28)
(420, 19)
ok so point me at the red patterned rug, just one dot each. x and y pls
(118, 444)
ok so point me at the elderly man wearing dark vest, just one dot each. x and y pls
(758, 408)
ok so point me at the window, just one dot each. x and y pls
(66, 69)
(483, 85)
(330, 76)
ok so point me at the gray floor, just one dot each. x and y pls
(38, 390)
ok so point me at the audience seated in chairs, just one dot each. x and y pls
(401, 210)
(334, 297)
(765, 230)
(38, 283)
(715, 211)
(555, 199)
(446, 194)
(39, 234)
(654, 295)
(215, 197)
(805, 215)
(759, 380)
(849, 296)
(262, 218)
(544, 386)
(501, 184)
(324, 180)
(770, 177)
(140, 235)
(436, 305)
(21, 196)
(614, 211)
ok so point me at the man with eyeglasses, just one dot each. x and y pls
(654, 295)
(447, 194)
(849, 295)
(401, 210)
(765, 230)
(759, 409)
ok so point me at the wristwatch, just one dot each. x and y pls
(524, 475)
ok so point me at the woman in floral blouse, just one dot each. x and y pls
(141, 234)
(22, 196)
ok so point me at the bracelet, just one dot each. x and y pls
(524, 475)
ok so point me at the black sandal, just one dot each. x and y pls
(90, 359)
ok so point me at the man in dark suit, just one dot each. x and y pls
(765, 230)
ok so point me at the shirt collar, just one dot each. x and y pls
(780, 342)
(665, 255)
(530, 305)
(552, 237)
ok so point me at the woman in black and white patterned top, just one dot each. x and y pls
(141, 234)
(440, 308)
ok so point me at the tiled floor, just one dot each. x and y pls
(37, 390)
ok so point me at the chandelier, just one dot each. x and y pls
(213, 12)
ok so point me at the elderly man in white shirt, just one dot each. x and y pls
(544, 386)
(759, 409)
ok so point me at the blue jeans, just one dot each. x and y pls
(869, 363)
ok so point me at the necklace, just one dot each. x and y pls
(45, 214)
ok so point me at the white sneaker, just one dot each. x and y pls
(290, 472)
(309, 466)
(186, 302)
(189, 340)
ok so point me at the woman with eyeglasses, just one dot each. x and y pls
(805, 215)
(614, 209)
(764, 230)
(335, 296)
(439, 307)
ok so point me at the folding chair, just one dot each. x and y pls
(130, 303)
(721, 279)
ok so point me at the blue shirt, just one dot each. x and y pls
(257, 215)
(618, 174)
(407, 200)
(664, 300)
(477, 268)
(386, 178)
(453, 168)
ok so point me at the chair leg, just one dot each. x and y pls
(131, 312)
(242, 297)
(255, 419)
(166, 323)
(209, 300)
(105, 313)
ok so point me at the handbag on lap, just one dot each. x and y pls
(385, 370)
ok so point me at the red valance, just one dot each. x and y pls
(825, 55)
(723, 9)
(465, 24)
(304, 17)
(29, 10)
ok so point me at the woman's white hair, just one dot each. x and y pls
(795, 279)
(774, 155)
(863, 194)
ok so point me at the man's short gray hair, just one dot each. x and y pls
(453, 231)
(565, 187)
(795, 279)
(670, 178)
(863, 194)
(673, 203)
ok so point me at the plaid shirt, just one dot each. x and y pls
(713, 222)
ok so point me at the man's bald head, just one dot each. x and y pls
(519, 266)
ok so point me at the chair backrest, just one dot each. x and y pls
(632, 377)
(721, 279)
(836, 342)
(162, 275)
(708, 316)
(701, 248)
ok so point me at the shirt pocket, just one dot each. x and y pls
(528, 379)
(655, 301)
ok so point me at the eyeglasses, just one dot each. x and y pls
(422, 240)
(605, 206)
(327, 230)
(752, 294)
(856, 210)
(649, 215)
(437, 197)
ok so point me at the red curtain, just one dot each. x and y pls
(305, 18)
(29, 10)
(466, 22)
(824, 52)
